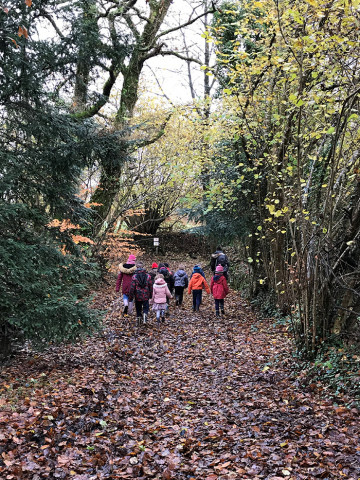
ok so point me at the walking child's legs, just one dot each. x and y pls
(139, 307)
(197, 296)
(158, 312)
(126, 303)
(199, 299)
(222, 305)
(217, 306)
(145, 306)
(181, 295)
(131, 306)
(194, 292)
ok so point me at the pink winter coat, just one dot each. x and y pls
(219, 287)
(160, 291)
(126, 273)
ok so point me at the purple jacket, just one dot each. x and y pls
(141, 286)
(127, 270)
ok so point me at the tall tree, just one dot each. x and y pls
(44, 275)
(112, 43)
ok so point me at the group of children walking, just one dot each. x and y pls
(160, 284)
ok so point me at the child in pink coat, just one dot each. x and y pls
(160, 293)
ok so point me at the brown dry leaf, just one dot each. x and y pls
(98, 407)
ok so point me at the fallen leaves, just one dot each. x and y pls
(189, 399)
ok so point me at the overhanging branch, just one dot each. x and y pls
(144, 143)
(182, 57)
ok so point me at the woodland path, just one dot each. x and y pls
(196, 398)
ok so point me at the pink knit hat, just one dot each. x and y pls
(131, 259)
(219, 269)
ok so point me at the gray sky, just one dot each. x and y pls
(172, 72)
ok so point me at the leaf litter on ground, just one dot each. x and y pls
(195, 398)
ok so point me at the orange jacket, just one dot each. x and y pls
(198, 282)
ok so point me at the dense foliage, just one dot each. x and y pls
(44, 275)
(291, 104)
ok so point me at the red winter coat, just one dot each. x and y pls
(219, 287)
(126, 272)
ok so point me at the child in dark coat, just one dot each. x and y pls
(219, 289)
(164, 270)
(181, 281)
(141, 291)
(153, 272)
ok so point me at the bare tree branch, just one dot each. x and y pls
(140, 15)
(191, 85)
(186, 24)
(52, 21)
(182, 57)
(132, 26)
(159, 85)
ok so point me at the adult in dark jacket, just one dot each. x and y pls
(220, 258)
(141, 292)
(127, 271)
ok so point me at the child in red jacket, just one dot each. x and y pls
(127, 270)
(219, 289)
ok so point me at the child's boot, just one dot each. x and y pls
(177, 300)
(125, 310)
(222, 312)
(138, 321)
(217, 313)
(145, 318)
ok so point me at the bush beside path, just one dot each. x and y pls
(194, 398)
